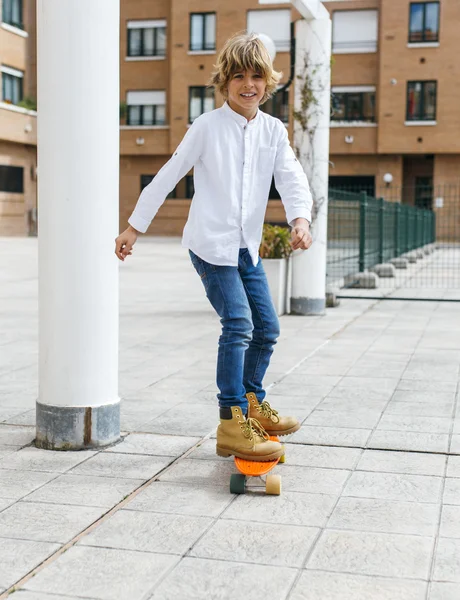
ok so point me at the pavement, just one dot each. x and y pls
(370, 507)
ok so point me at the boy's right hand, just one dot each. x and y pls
(125, 242)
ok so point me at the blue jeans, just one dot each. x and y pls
(250, 326)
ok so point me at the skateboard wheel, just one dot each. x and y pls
(283, 459)
(273, 485)
(237, 483)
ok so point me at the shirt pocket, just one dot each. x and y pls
(266, 159)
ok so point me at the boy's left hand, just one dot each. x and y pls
(301, 236)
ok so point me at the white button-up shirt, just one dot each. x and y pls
(234, 161)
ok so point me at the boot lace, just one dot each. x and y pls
(269, 412)
(252, 428)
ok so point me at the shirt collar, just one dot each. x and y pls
(239, 118)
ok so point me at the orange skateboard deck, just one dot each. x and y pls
(252, 468)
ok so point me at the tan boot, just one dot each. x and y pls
(269, 418)
(245, 438)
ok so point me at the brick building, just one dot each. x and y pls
(395, 84)
(18, 124)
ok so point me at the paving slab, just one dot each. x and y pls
(299, 508)
(183, 418)
(435, 387)
(443, 591)
(163, 497)
(46, 522)
(450, 522)
(25, 595)
(153, 444)
(148, 532)
(23, 418)
(85, 490)
(35, 459)
(417, 409)
(411, 463)
(195, 579)
(102, 574)
(331, 436)
(17, 484)
(240, 541)
(386, 516)
(380, 554)
(313, 479)
(18, 557)
(8, 412)
(455, 444)
(453, 466)
(415, 423)
(409, 440)
(16, 436)
(425, 396)
(447, 560)
(321, 585)
(110, 464)
(6, 450)
(200, 472)
(327, 418)
(322, 456)
(394, 486)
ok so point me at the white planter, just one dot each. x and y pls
(279, 276)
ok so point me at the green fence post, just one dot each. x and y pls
(423, 233)
(397, 229)
(419, 228)
(408, 233)
(381, 206)
(362, 230)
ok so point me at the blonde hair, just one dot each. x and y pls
(242, 52)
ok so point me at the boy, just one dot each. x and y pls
(235, 150)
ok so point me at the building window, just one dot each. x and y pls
(203, 31)
(12, 88)
(353, 183)
(146, 38)
(278, 106)
(11, 179)
(146, 107)
(12, 13)
(146, 179)
(421, 100)
(201, 100)
(354, 31)
(424, 22)
(353, 104)
(274, 23)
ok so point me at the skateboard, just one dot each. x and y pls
(251, 468)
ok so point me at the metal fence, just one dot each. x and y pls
(364, 231)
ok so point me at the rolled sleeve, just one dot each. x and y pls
(291, 181)
(154, 194)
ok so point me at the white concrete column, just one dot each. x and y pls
(78, 172)
(313, 48)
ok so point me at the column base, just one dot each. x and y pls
(77, 427)
(308, 306)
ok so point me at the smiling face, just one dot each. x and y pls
(245, 92)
